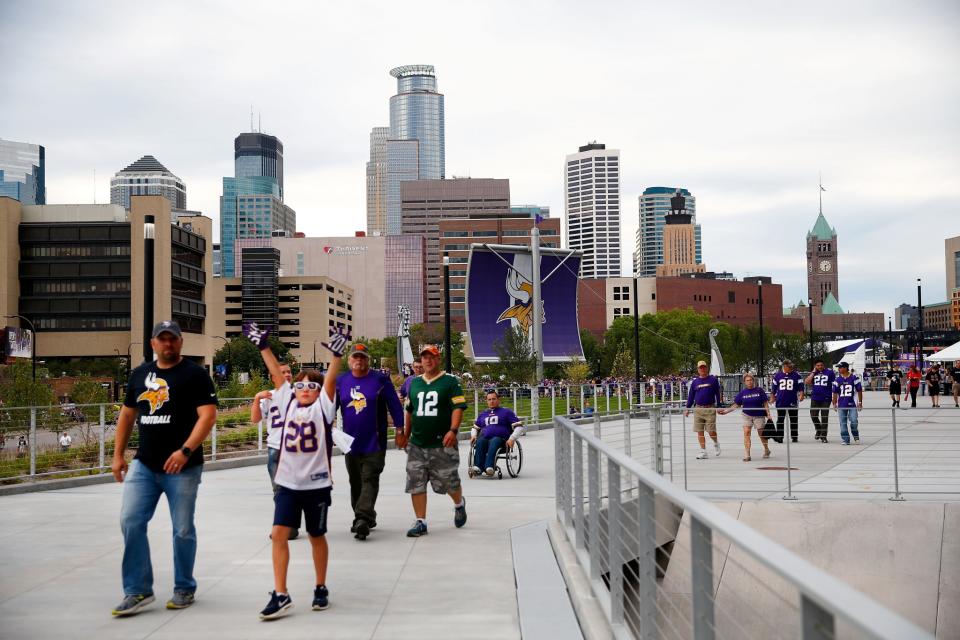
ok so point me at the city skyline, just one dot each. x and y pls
(827, 93)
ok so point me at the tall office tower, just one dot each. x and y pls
(377, 182)
(23, 172)
(427, 202)
(259, 285)
(654, 207)
(592, 204)
(258, 154)
(822, 278)
(147, 177)
(679, 241)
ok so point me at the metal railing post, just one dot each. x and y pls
(656, 439)
(596, 424)
(683, 439)
(565, 452)
(553, 401)
(213, 443)
(558, 453)
(33, 441)
(615, 545)
(897, 496)
(513, 393)
(583, 406)
(568, 399)
(816, 622)
(627, 434)
(593, 495)
(787, 430)
(619, 398)
(629, 396)
(578, 524)
(646, 562)
(606, 388)
(102, 436)
(701, 563)
(476, 404)
(534, 405)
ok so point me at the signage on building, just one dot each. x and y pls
(500, 296)
(346, 250)
(18, 343)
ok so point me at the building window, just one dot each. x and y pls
(731, 296)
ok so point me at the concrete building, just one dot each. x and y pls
(457, 235)
(951, 259)
(23, 168)
(938, 316)
(147, 177)
(654, 206)
(377, 182)
(830, 317)
(679, 241)
(76, 271)
(905, 317)
(426, 202)
(591, 187)
(822, 276)
(530, 210)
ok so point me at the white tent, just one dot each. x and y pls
(949, 354)
(857, 359)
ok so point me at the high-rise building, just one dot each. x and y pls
(258, 154)
(426, 202)
(411, 148)
(654, 205)
(951, 258)
(592, 204)
(530, 210)
(23, 172)
(147, 177)
(679, 241)
(822, 278)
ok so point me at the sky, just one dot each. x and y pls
(745, 104)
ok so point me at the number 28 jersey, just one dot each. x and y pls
(431, 405)
(306, 442)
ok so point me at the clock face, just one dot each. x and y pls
(825, 265)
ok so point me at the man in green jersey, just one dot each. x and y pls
(435, 407)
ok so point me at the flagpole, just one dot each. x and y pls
(537, 300)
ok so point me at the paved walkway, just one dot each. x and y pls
(60, 559)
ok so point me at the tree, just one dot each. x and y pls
(517, 360)
(243, 356)
(623, 363)
(423, 334)
(577, 371)
(89, 391)
(592, 352)
(17, 389)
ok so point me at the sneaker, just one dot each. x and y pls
(362, 531)
(823, 440)
(845, 443)
(418, 529)
(766, 454)
(180, 600)
(132, 604)
(489, 471)
(278, 606)
(477, 471)
(460, 514)
(716, 448)
(320, 595)
(702, 455)
(856, 440)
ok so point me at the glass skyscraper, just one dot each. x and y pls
(23, 172)
(258, 154)
(654, 206)
(250, 208)
(147, 177)
(377, 180)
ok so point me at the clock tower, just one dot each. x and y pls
(822, 262)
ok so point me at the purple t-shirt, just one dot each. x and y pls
(752, 401)
(496, 423)
(405, 387)
(704, 391)
(845, 387)
(364, 404)
(821, 388)
(787, 386)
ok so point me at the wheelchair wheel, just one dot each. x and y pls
(470, 473)
(514, 459)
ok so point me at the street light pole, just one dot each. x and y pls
(760, 367)
(636, 335)
(920, 318)
(810, 314)
(148, 242)
(890, 340)
(33, 341)
(447, 355)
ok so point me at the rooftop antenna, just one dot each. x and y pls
(251, 119)
(259, 127)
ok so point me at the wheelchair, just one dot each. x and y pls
(512, 458)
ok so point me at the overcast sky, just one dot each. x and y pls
(743, 103)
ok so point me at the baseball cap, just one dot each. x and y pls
(702, 363)
(843, 365)
(167, 326)
(431, 349)
(360, 349)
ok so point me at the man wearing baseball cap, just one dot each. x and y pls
(434, 411)
(845, 385)
(704, 395)
(365, 398)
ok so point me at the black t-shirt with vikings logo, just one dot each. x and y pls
(166, 401)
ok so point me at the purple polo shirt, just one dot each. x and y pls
(704, 391)
(787, 386)
(845, 388)
(821, 389)
(496, 423)
(364, 404)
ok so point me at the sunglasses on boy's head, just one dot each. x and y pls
(312, 386)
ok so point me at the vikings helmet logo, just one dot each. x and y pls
(520, 289)
(157, 393)
(359, 401)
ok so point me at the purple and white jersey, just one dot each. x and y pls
(787, 386)
(845, 387)
(821, 387)
(273, 412)
(497, 423)
(306, 443)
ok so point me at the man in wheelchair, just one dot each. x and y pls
(495, 427)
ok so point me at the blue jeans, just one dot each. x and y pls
(141, 493)
(486, 452)
(848, 413)
(273, 461)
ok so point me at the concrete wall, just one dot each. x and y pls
(10, 214)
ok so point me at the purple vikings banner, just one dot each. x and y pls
(500, 297)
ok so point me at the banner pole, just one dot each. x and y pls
(537, 301)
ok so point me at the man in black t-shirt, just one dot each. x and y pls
(893, 378)
(955, 380)
(175, 405)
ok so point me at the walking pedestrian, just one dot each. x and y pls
(366, 398)
(844, 387)
(405, 387)
(265, 406)
(893, 379)
(21, 446)
(933, 385)
(821, 389)
(65, 442)
(914, 376)
(704, 397)
(787, 393)
(756, 412)
(174, 402)
(955, 382)
(434, 411)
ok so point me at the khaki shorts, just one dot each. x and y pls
(755, 422)
(704, 419)
(439, 465)
(956, 388)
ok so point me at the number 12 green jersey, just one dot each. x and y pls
(431, 405)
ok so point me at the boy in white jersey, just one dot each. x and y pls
(303, 470)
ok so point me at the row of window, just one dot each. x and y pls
(83, 323)
(74, 269)
(75, 251)
(43, 287)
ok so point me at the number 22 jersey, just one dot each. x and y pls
(306, 443)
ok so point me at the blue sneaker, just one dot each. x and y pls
(277, 607)
(132, 604)
(460, 514)
(320, 595)
(418, 529)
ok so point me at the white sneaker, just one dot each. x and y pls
(702, 455)
(489, 471)
(716, 447)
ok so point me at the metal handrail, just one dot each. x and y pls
(831, 594)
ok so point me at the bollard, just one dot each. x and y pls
(103, 429)
(897, 497)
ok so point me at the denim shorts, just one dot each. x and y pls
(312, 503)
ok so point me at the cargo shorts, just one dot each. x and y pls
(704, 419)
(438, 465)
